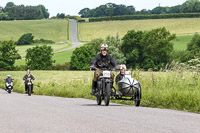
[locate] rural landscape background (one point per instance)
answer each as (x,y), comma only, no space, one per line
(172,85)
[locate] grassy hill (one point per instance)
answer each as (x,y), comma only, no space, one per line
(181,27)
(55,30)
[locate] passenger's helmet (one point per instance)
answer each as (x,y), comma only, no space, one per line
(122,66)
(9,76)
(104,47)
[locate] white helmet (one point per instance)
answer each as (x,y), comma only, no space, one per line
(9,76)
(104,46)
(122,66)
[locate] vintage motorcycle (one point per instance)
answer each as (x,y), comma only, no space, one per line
(29,83)
(126,89)
(9,85)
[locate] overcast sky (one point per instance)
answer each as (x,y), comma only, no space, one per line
(72,7)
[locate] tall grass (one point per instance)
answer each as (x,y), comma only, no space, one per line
(178,90)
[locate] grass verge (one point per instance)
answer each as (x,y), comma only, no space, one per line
(178,90)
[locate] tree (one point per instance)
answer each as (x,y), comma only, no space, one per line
(191,6)
(146,50)
(39,58)
(114,49)
(8,55)
(25,39)
(132,48)
(81,57)
(193,47)
(157,48)
(96,44)
(84,12)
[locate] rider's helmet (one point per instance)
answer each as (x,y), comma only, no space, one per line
(104,47)
(28,71)
(123,66)
(9,76)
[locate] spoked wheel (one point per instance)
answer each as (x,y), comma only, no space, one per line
(107,94)
(138,97)
(99,99)
(29,90)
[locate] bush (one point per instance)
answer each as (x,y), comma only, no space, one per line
(8,55)
(25,39)
(81,57)
(40,58)
(43,41)
(193,47)
(65,66)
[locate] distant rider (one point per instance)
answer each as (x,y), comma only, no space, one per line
(102,61)
(121,74)
(28,75)
(9,80)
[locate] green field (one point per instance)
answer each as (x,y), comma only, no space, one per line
(184,27)
(61,58)
(172,90)
(55,30)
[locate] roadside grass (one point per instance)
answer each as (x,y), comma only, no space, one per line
(178,90)
(55,30)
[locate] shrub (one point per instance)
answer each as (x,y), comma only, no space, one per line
(81,57)
(8,55)
(25,39)
(40,58)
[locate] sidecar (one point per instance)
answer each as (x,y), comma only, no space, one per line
(128,87)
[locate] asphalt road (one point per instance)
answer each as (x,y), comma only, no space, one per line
(74,36)
(20,113)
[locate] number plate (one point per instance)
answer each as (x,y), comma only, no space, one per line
(106,74)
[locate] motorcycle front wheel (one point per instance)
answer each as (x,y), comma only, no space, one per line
(29,90)
(107,94)
(99,99)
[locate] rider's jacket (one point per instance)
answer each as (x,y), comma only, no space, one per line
(28,76)
(103,62)
(9,80)
(119,77)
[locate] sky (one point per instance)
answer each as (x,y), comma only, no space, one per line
(72,7)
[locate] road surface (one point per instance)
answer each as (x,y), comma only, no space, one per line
(20,113)
(74,36)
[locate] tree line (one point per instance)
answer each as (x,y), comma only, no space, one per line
(111,9)
(21,12)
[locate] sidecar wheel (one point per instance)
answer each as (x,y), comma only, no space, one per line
(138,98)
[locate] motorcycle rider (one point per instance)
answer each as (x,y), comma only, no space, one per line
(28,75)
(9,80)
(122,73)
(102,61)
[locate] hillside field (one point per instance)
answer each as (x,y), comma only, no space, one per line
(172,90)
(55,30)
